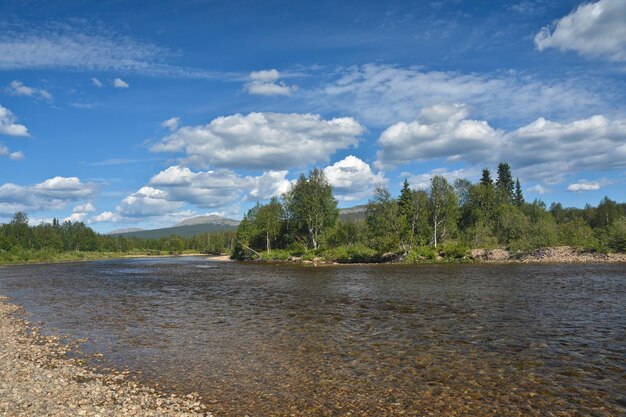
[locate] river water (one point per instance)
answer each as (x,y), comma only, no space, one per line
(280,340)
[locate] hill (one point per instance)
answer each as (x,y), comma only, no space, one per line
(353,214)
(186,228)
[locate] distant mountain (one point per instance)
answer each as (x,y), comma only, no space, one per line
(122,231)
(213,223)
(186,228)
(212,218)
(352,214)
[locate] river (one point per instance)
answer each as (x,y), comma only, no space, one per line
(382,340)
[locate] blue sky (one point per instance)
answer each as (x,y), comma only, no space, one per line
(144,113)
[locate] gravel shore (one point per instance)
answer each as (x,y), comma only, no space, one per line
(38,378)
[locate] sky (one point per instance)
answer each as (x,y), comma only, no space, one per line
(141,114)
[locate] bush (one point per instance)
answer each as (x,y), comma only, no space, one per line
(617,235)
(420,254)
(454,250)
(351,254)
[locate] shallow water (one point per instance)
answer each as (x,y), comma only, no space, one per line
(267,340)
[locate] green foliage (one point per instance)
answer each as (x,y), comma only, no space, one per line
(578,234)
(617,235)
(351,254)
(443,207)
(504,183)
(310,207)
(385,221)
(455,250)
(421,254)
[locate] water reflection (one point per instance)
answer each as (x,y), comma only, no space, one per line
(269,340)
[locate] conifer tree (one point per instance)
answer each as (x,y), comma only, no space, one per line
(486,178)
(504,182)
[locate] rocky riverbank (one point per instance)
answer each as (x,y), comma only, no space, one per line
(38,378)
(559,254)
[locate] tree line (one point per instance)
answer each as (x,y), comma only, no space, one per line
(446,218)
(21,242)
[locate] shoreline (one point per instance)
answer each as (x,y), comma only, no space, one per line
(551,255)
(213,258)
(38,378)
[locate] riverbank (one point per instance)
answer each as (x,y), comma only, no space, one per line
(559,254)
(38,378)
(65,257)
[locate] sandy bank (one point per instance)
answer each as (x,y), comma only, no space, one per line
(38,379)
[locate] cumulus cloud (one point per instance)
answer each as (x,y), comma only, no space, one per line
(593,30)
(382,94)
(171,123)
(119,83)
(266,83)
(270,184)
(8,125)
(542,149)
(80,213)
(207,189)
(422,181)
(106,216)
(352,178)
(52,194)
(272,141)
(17,88)
(442,131)
(14,156)
(146,202)
(96,82)
(584,185)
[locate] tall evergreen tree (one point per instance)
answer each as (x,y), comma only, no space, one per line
(518,199)
(486,178)
(504,182)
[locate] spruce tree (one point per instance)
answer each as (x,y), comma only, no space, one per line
(486,178)
(504,182)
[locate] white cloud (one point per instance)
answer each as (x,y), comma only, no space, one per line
(542,149)
(381,94)
(265,83)
(442,131)
(538,189)
(86,47)
(17,88)
(146,202)
(593,29)
(80,212)
(52,194)
(270,184)
(171,123)
(271,141)
(14,156)
(119,83)
(422,181)
(106,216)
(8,125)
(204,189)
(96,82)
(352,178)
(583,185)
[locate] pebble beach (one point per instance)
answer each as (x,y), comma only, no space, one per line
(39,378)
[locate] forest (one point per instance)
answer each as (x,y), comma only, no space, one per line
(444,221)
